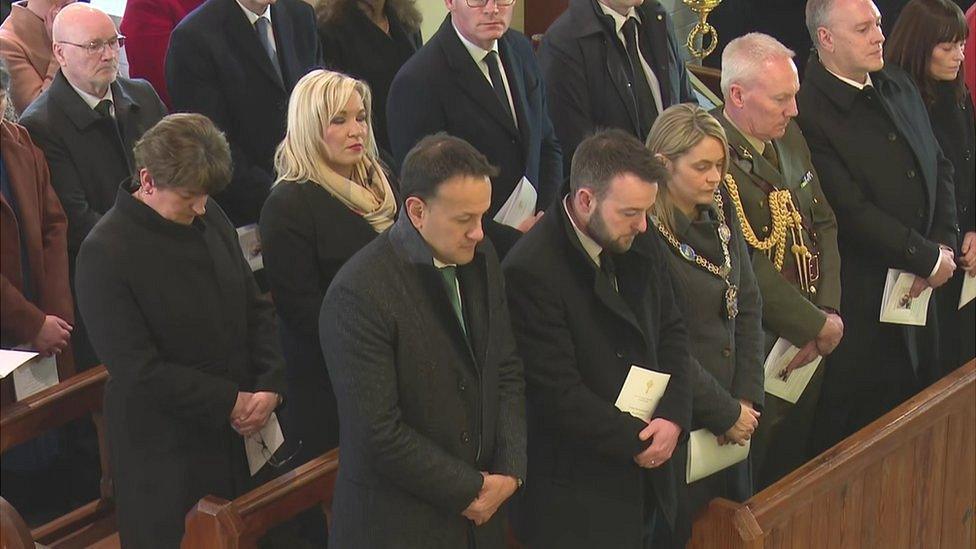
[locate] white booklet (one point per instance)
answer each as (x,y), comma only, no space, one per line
(32,373)
(250,241)
(519,206)
(263,444)
(706,457)
(897,305)
(642,391)
(790,389)
(968,290)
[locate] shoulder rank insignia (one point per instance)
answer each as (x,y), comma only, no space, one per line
(807,178)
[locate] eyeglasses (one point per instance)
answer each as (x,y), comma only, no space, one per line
(272,460)
(483,3)
(96,47)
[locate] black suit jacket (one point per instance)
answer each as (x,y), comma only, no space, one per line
(579,338)
(442,89)
(584,66)
(216,66)
(86,157)
(421,412)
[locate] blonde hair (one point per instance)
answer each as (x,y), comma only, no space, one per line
(676,131)
(316,99)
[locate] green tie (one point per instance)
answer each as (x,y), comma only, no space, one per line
(450,282)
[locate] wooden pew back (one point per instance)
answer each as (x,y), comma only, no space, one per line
(216,523)
(73,398)
(906,480)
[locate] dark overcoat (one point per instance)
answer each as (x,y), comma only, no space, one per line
(421,412)
(585,68)
(442,89)
(891,189)
(216,66)
(579,338)
(176,317)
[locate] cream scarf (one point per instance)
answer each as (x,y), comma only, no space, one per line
(374,201)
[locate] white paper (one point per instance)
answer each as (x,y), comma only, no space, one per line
(519,206)
(250,241)
(642,391)
(36,375)
(968,290)
(779,357)
(10,359)
(706,457)
(257,453)
(896,305)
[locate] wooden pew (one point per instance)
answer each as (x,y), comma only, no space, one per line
(216,523)
(906,480)
(74,398)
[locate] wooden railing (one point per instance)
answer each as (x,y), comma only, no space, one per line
(74,398)
(906,480)
(216,523)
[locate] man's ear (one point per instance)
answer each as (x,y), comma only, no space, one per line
(415,208)
(825,38)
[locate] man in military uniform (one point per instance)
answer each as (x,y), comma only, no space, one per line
(791,229)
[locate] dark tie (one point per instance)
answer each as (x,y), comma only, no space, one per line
(263,28)
(608,268)
(770,154)
(449,274)
(646,110)
(104,110)
(497,83)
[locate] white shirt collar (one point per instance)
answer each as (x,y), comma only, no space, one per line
(858,85)
(251,17)
(440,264)
(590,246)
(619,20)
(477,52)
(91,100)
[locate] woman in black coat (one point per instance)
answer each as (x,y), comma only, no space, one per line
(369,40)
(719,297)
(332,197)
(928,42)
(176,317)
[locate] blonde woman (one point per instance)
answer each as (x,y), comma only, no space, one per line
(332,197)
(717,290)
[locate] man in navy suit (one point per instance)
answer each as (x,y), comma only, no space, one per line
(236,61)
(478,80)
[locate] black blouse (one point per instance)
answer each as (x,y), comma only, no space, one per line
(353,44)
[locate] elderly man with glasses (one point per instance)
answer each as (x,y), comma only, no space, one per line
(479,80)
(86,123)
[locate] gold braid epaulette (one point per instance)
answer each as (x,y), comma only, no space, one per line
(785,218)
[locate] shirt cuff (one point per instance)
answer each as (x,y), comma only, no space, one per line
(938,262)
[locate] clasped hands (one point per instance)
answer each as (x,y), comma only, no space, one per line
(743,428)
(944,271)
(826,341)
(251,411)
(663,435)
(494,491)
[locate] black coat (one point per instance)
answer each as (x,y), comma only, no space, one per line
(421,413)
(307,235)
(583,63)
(87,160)
(441,89)
(579,338)
(216,66)
(953,124)
(353,44)
(891,189)
(176,317)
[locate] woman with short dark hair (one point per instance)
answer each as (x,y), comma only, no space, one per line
(928,41)
(176,317)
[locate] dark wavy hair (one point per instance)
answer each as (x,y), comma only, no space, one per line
(921,25)
(328,12)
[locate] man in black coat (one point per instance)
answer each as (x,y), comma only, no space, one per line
(86,123)
(237,63)
(590,72)
(479,81)
(418,343)
(891,188)
(590,296)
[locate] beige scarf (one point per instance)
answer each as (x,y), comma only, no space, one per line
(374,201)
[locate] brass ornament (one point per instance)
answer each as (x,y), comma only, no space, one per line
(702,29)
